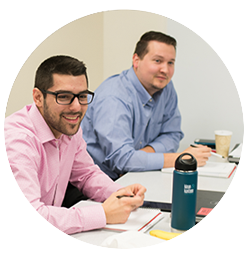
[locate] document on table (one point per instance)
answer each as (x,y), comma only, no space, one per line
(212,169)
(140,219)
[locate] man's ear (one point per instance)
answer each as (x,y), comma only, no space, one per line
(38,97)
(135,60)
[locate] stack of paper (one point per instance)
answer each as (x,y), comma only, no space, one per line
(140,219)
(212,169)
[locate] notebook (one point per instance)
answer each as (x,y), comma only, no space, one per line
(212,169)
(205,202)
(140,219)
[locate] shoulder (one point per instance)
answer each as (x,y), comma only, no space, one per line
(169,87)
(169,91)
(19,122)
(117,86)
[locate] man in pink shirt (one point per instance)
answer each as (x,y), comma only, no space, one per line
(46,151)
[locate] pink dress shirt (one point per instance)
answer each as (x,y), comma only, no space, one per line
(43,165)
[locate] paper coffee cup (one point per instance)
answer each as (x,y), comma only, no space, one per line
(222,142)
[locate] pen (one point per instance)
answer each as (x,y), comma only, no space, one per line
(122,196)
(213,153)
(217,155)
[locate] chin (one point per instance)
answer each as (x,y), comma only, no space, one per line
(72,131)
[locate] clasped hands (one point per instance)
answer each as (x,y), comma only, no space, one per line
(117,210)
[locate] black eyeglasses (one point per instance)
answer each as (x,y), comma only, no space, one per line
(66,98)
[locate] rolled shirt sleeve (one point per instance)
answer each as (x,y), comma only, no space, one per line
(43,165)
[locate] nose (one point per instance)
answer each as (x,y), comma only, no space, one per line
(164,68)
(75,105)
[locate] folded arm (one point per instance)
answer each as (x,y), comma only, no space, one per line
(115,129)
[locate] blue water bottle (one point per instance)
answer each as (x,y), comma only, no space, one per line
(184,193)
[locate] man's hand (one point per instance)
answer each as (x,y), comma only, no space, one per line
(118,210)
(200,152)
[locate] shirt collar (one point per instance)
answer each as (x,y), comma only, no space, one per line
(142,92)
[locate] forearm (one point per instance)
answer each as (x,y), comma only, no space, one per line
(74,220)
(144,161)
(169,158)
(98,187)
(166,143)
(148,149)
(89,179)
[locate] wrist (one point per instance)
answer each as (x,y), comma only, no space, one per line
(169,159)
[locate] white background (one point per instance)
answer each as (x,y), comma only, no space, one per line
(225,27)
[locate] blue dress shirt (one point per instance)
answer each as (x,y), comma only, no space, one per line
(123,118)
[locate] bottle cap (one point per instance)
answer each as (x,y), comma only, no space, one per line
(187,164)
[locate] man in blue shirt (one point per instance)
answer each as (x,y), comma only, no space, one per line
(134,123)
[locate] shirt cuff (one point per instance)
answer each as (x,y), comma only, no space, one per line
(158,147)
(93,217)
(155,161)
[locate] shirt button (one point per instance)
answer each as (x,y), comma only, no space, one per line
(57,145)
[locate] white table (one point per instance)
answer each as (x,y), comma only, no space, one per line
(159,184)
(159,188)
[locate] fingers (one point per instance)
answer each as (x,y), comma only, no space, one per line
(140,190)
(201,153)
(202,148)
(137,191)
(132,202)
(117,210)
(134,189)
(118,206)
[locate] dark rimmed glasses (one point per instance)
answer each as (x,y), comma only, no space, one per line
(66,98)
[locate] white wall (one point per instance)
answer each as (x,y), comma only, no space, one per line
(122,30)
(208,98)
(82,38)
(105,41)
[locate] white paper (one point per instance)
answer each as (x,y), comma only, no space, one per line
(214,169)
(131,239)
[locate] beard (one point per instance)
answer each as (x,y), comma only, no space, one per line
(57,123)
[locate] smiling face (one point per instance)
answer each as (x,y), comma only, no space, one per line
(62,119)
(156,68)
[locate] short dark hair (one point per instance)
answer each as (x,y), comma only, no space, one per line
(141,48)
(64,65)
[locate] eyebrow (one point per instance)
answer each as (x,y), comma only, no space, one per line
(159,56)
(67,91)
